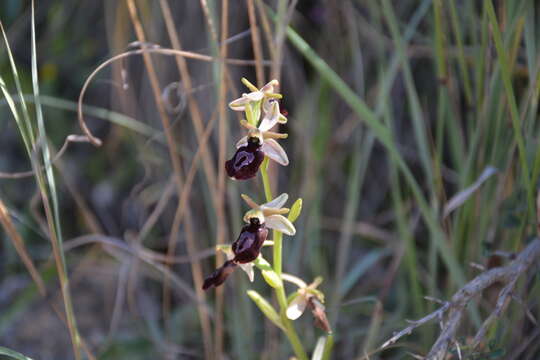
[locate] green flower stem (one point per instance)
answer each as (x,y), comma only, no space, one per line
(278,247)
(266,180)
(290,332)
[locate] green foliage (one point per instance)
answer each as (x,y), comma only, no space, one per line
(395,111)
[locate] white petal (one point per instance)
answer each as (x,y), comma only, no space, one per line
(269,88)
(267,104)
(277,203)
(270,118)
(248,269)
(242,142)
(280,223)
(239,104)
(275,152)
(254,96)
(297,307)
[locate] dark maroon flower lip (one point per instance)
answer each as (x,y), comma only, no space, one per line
(246,248)
(219,275)
(246,161)
(250,241)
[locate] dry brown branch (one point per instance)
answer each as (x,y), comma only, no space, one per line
(452,312)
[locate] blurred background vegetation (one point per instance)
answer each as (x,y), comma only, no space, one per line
(395,108)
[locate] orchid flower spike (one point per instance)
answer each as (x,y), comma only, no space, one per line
(309,297)
(258,143)
(255,96)
(270,214)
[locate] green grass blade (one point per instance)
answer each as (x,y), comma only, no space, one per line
(461,52)
(13,354)
(382,133)
(510,96)
(412,95)
(50,184)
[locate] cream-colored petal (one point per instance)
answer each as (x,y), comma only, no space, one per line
(297,307)
(248,269)
(239,104)
(254,96)
(269,88)
(275,152)
(267,104)
(277,203)
(280,223)
(270,118)
(242,142)
(251,203)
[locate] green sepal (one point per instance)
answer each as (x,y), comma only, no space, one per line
(296,209)
(269,275)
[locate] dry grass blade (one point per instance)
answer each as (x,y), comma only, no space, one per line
(18,243)
(222,143)
(256,41)
(462,196)
(196,269)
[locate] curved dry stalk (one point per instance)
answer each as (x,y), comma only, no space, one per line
(69,139)
(455,309)
(155,50)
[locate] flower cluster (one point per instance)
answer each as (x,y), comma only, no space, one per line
(259,143)
(247,247)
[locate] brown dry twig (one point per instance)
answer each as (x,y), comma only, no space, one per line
(452,312)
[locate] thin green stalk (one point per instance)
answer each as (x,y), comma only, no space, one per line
(265,180)
(290,332)
(278,250)
(461,52)
(514,114)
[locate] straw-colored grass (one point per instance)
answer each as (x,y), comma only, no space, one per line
(413,142)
